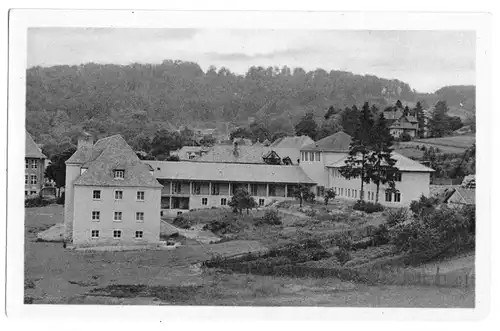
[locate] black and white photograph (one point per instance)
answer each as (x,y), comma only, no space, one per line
(252,165)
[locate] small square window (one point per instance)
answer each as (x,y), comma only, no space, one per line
(223,202)
(139,216)
(118,216)
(119,174)
(117,234)
(118,195)
(398,177)
(96,195)
(204,201)
(261,202)
(140,195)
(96,215)
(95,234)
(139,234)
(33,180)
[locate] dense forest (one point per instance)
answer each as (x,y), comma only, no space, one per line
(140,99)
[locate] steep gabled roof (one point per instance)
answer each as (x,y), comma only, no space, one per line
(402,163)
(292,142)
(243,154)
(109,154)
(32,150)
(229,172)
(463,196)
(402,124)
(338,142)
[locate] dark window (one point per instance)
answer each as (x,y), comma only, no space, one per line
(117,233)
(204,201)
(140,195)
(95,234)
(96,194)
(261,202)
(118,195)
(96,215)
(223,202)
(138,234)
(215,189)
(397,197)
(388,196)
(119,174)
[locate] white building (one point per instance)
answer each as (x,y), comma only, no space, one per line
(321,162)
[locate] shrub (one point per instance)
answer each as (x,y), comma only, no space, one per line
(223,226)
(36,201)
(182,222)
(397,216)
(367,207)
(310,212)
(405,137)
(329,195)
(310,197)
(343,255)
(270,217)
(469,213)
(381,235)
(344,241)
(423,206)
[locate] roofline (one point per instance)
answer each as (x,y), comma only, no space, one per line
(121,186)
(400,170)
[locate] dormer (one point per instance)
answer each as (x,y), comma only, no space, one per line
(119,173)
(82,170)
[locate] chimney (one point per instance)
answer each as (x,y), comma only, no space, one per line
(85,140)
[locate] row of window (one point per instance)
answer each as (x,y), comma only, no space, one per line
(117,234)
(33,179)
(96,195)
(223,202)
(352,193)
(310,156)
(32,163)
(30,193)
(336,174)
(118,216)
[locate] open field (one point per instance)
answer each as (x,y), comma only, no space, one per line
(454,144)
(57,275)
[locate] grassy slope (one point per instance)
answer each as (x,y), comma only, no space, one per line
(56,275)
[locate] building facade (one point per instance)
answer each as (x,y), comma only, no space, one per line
(111,197)
(197,185)
(34,168)
(322,160)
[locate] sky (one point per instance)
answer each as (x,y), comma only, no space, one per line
(427,60)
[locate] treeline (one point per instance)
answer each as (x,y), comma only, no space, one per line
(143,98)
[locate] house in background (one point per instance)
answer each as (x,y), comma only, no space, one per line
(290,146)
(34,167)
(196,185)
(321,162)
(404,125)
(111,197)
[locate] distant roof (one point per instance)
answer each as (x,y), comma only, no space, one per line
(402,163)
(338,142)
(226,153)
(393,115)
(109,154)
(465,196)
(292,142)
(32,149)
(229,172)
(402,124)
(411,119)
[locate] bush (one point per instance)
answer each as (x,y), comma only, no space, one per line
(381,235)
(182,222)
(423,206)
(270,217)
(367,207)
(405,137)
(310,212)
(469,213)
(343,255)
(397,216)
(310,197)
(223,226)
(36,201)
